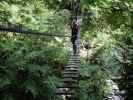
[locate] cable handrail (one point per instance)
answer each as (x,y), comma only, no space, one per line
(19,29)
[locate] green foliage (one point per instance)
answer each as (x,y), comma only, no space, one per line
(125,44)
(30,67)
(92,85)
(33,15)
(29,71)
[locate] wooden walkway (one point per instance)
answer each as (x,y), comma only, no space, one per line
(69,80)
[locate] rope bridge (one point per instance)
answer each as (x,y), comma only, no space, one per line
(70,75)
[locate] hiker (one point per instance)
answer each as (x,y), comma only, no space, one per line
(75,30)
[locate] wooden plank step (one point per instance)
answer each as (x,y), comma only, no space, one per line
(70,76)
(73,60)
(69,80)
(67,72)
(67,86)
(71,98)
(72,70)
(73,77)
(74,55)
(76,64)
(73,63)
(64,92)
(72,66)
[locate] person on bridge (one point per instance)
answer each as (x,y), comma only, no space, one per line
(74,36)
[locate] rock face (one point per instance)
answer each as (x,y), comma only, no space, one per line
(114,93)
(118,98)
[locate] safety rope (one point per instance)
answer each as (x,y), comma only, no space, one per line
(20,29)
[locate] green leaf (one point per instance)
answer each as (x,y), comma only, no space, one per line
(31,87)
